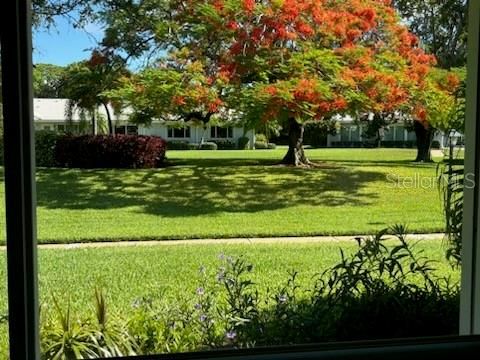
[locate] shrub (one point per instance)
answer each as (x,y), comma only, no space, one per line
(261,138)
(193,146)
(100,151)
(261,145)
(208,146)
(225,144)
(436,144)
(243,143)
(45,143)
(177,145)
(271,146)
(386,289)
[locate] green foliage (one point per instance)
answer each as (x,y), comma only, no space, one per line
(271,146)
(441,25)
(451,179)
(87,84)
(178,145)
(48,81)
(316,133)
(385,288)
(436,144)
(244,143)
(261,145)
(208,146)
(261,138)
(45,142)
(225,144)
(70,339)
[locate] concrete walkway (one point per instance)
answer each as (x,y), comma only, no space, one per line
(252,241)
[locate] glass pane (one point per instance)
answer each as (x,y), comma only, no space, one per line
(132,130)
(120,130)
(221,132)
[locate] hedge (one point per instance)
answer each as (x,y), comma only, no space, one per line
(208,146)
(100,151)
(177,145)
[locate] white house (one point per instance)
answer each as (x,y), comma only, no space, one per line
(352,133)
(50,114)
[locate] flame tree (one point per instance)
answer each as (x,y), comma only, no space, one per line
(284,61)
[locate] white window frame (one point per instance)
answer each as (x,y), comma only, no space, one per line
(215,128)
(185,130)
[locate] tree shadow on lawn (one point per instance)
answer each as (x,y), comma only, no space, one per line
(198,189)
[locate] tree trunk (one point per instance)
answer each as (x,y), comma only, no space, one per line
(109,119)
(296,154)
(94,124)
(424,142)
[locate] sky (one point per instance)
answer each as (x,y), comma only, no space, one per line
(63,44)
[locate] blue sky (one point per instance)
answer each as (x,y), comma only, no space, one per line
(63,44)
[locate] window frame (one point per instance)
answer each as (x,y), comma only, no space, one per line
(186,132)
(214,131)
(20,204)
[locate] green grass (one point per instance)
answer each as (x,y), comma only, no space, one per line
(169,271)
(216,194)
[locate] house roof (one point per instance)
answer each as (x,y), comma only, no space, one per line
(54,110)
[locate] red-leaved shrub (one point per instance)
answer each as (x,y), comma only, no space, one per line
(101,151)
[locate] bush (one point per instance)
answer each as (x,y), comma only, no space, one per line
(261,138)
(261,145)
(119,151)
(271,146)
(193,146)
(208,146)
(45,143)
(436,144)
(386,289)
(243,143)
(225,144)
(177,145)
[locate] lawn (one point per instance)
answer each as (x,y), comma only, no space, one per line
(128,273)
(218,194)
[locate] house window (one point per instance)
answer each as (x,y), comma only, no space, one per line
(120,130)
(61,128)
(221,132)
(179,133)
(132,130)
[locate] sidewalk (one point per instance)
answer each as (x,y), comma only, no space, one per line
(253,241)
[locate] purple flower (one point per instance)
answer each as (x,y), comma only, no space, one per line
(200,291)
(231,335)
(203,318)
(198,306)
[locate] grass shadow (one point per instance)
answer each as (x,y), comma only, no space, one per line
(197,187)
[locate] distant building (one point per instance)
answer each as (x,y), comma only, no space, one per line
(351,133)
(50,114)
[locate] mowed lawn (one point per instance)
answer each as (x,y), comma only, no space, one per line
(167,272)
(217,194)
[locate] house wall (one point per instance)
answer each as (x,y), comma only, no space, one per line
(196,133)
(354,134)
